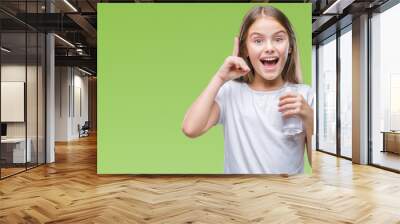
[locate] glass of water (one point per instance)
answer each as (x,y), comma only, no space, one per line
(292,125)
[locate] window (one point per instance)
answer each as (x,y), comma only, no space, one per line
(327,95)
(346,92)
(385,89)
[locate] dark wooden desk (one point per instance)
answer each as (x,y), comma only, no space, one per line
(391,141)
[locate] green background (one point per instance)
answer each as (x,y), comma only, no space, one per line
(153,62)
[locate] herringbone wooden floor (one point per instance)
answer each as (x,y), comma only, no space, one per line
(69,191)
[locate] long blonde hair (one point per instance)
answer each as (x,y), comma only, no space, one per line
(291,71)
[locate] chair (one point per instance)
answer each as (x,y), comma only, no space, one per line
(84,130)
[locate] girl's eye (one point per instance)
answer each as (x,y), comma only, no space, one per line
(279,39)
(258,41)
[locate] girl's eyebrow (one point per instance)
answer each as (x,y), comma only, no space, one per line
(260,34)
(280,32)
(256,34)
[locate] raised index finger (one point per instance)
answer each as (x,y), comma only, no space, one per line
(235,47)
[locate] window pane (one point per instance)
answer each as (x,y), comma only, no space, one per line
(385,89)
(31,100)
(327,96)
(41,97)
(346,94)
(14,150)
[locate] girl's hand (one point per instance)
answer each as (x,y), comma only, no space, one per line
(234,66)
(293,103)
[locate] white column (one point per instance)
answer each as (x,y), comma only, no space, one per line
(50,92)
(50,100)
(360,90)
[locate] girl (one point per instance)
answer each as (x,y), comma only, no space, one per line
(247,97)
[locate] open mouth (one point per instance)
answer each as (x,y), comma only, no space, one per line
(269,61)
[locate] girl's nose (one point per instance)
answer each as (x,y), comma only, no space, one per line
(269,48)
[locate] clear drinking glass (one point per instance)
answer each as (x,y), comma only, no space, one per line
(292,125)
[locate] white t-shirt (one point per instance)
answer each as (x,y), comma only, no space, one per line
(253,138)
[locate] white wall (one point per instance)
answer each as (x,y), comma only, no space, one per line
(70,83)
(13,72)
(81,84)
(62,80)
